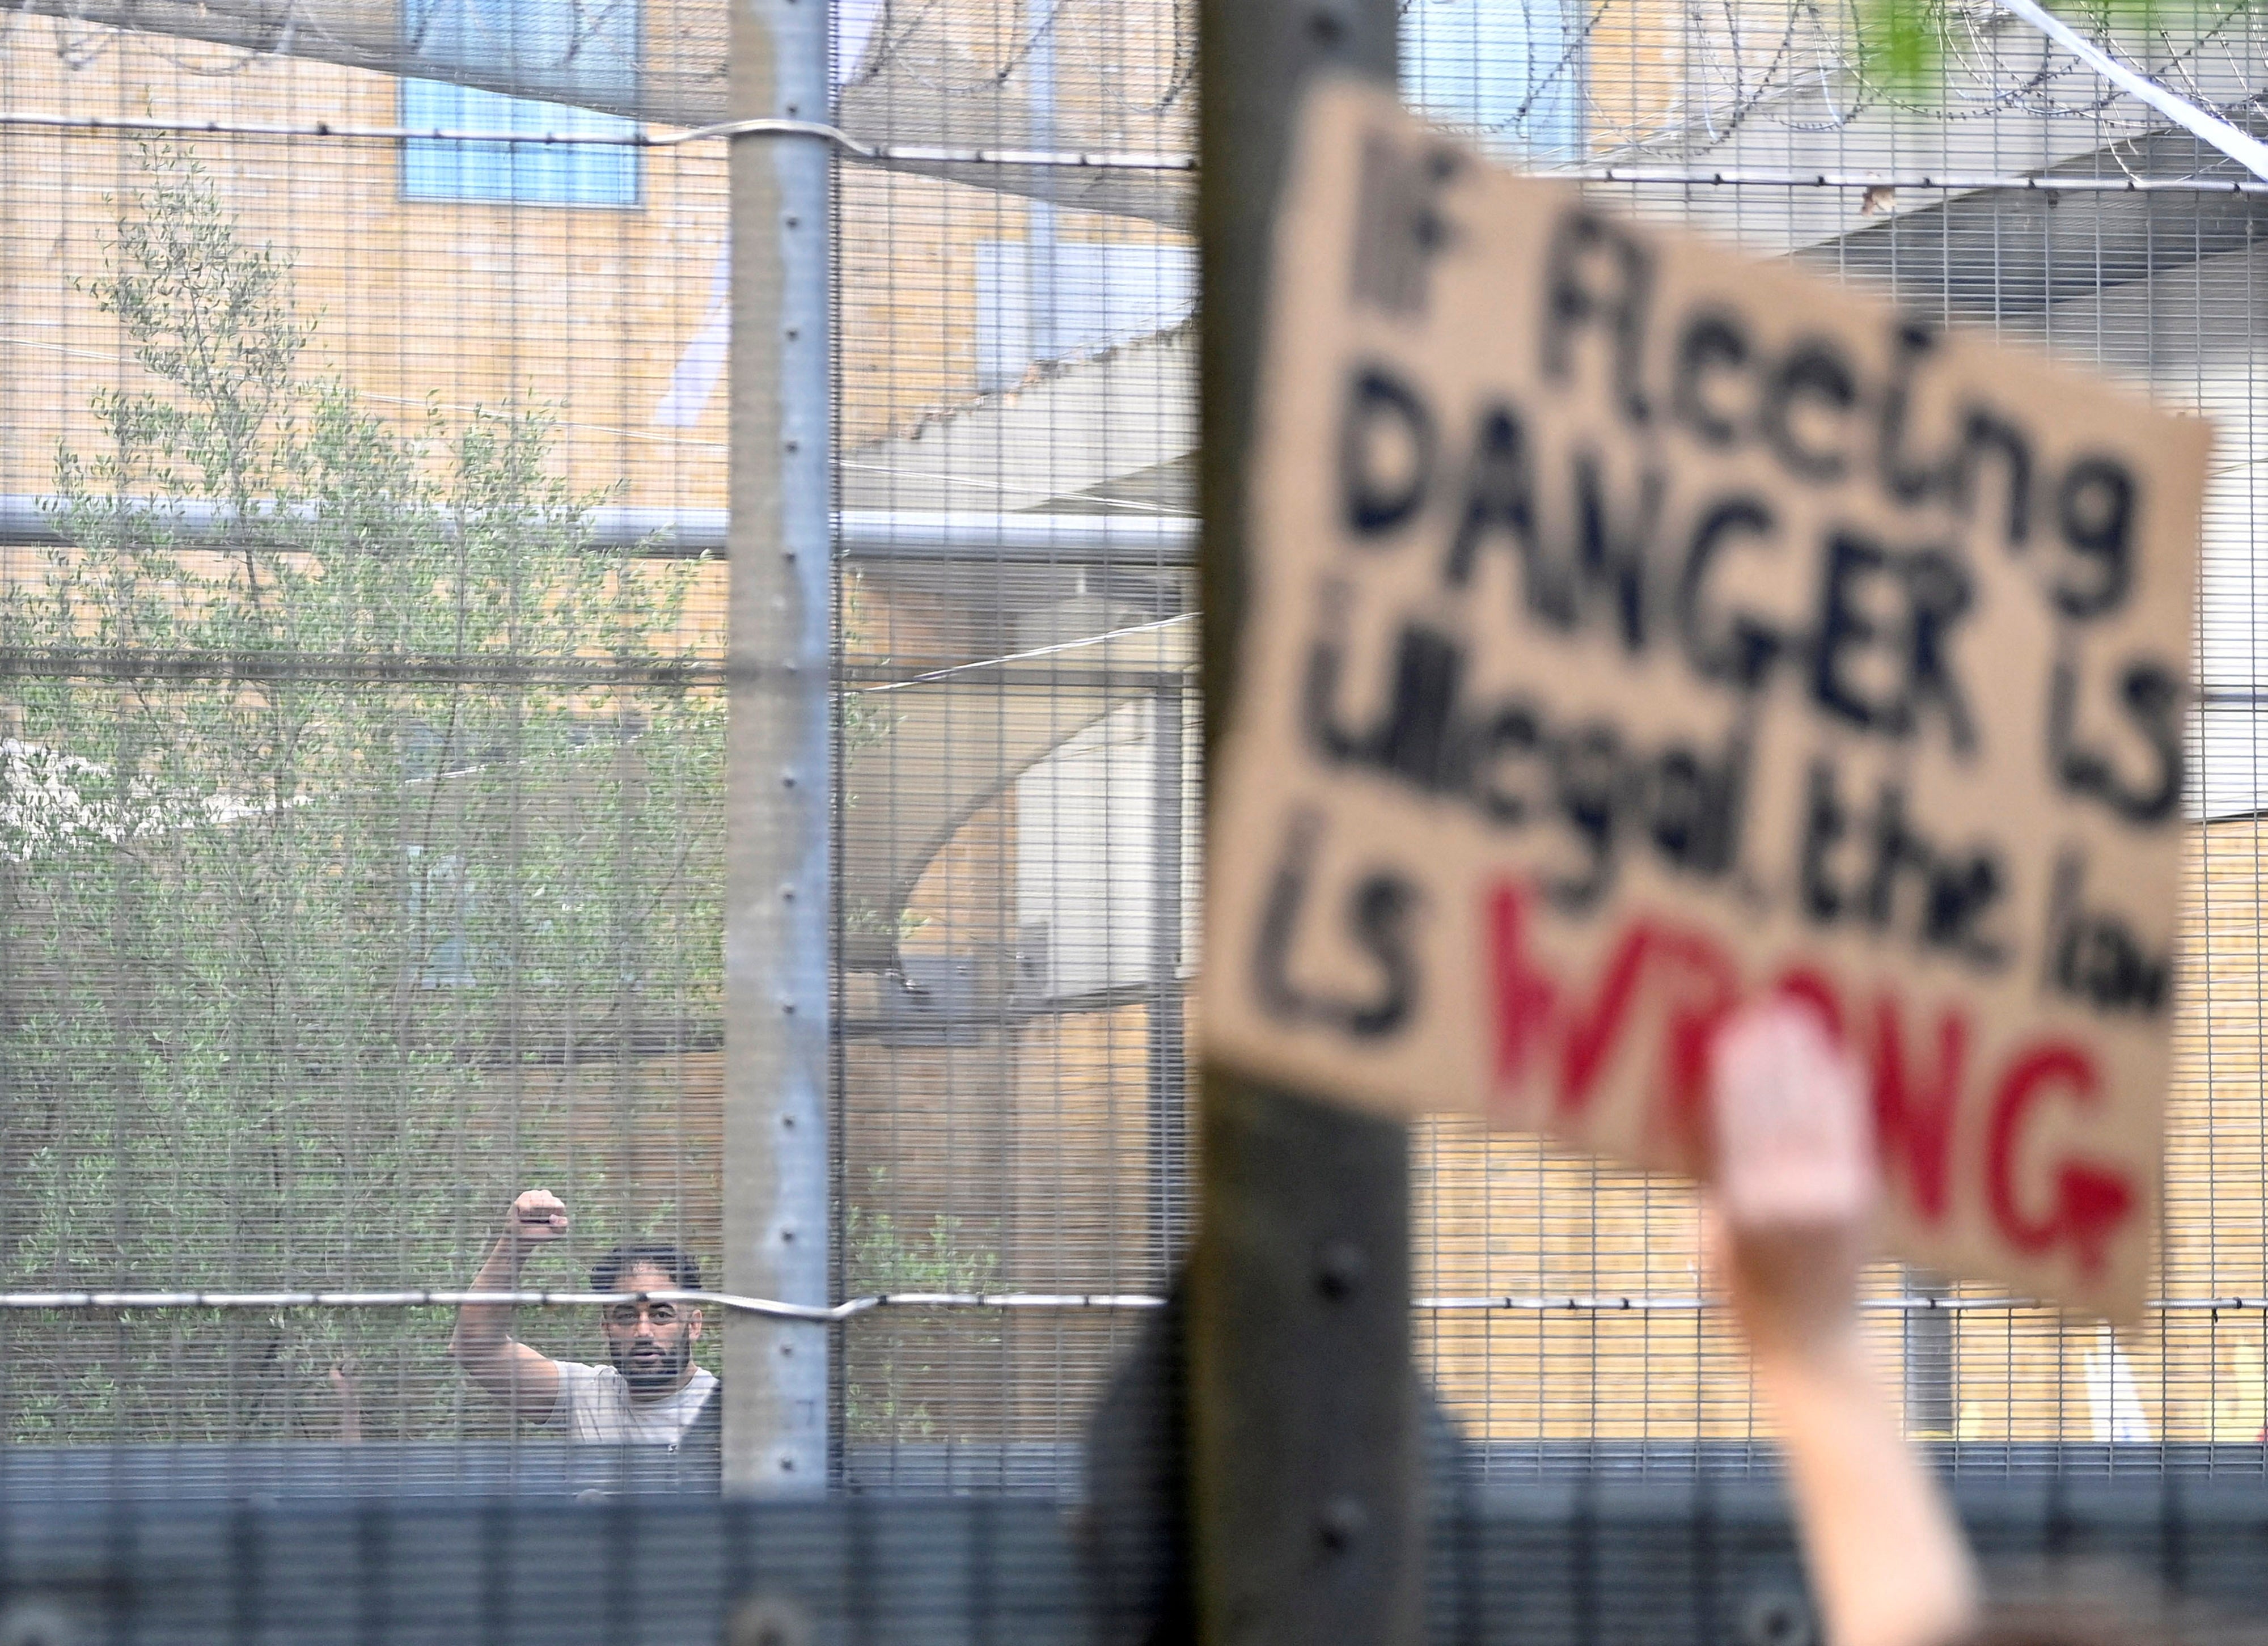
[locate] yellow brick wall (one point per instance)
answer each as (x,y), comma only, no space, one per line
(585,310)
(464,303)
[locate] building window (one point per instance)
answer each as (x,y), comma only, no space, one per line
(569,49)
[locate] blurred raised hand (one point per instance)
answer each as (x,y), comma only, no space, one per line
(1790,1216)
(1796,1178)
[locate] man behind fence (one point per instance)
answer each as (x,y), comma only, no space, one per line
(652,1393)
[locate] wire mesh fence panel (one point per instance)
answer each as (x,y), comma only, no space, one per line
(359,820)
(1019,862)
(2022,194)
(362,691)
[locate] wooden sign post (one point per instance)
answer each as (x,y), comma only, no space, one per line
(1633,627)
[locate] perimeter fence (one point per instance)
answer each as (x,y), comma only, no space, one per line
(363,737)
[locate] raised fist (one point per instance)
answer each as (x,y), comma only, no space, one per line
(537,1216)
(1796,1180)
(1795,1146)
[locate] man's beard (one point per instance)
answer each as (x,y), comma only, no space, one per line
(653,1373)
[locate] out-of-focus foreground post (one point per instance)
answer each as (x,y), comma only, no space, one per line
(1306,1461)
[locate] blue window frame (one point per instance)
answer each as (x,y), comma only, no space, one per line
(568,47)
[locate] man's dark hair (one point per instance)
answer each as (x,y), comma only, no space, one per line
(683,1267)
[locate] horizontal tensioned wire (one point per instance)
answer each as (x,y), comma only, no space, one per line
(1002,672)
(371,668)
(504,669)
(144,1302)
(914,154)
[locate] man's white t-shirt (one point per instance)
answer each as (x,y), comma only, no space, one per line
(594,1404)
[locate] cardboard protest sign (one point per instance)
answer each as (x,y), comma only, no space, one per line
(1633,627)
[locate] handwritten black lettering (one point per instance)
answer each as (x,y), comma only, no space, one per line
(1517,769)
(1955,889)
(1582,240)
(2094,515)
(1933,593)
(1740,649)
(1713,345)
(1380,911)
(2092,954)
(1399,227)
(1326,661)
(1385,427)
(1381,905)
(1912,345)
(1588,765)
(1825,823)
(1500,746)
(1939,595)
(1612,554)
(1987,434)
(1412,735)
(1694,802)
(1816,374)
(2151,695)
(1907,885)
(1414,739)
(1846,630)
(1499,499)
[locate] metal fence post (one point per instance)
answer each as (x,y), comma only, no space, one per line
(1304,1428)
(1933,1392)
(1169,1040)
(779,779)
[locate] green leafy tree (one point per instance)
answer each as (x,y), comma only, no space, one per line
(1905,47)
(894,1369)
(349,794)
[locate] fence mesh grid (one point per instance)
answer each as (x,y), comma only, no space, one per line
(361,631)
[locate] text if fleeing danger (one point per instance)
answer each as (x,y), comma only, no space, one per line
(1632,628)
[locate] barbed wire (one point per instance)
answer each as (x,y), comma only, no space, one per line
(1723,66)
